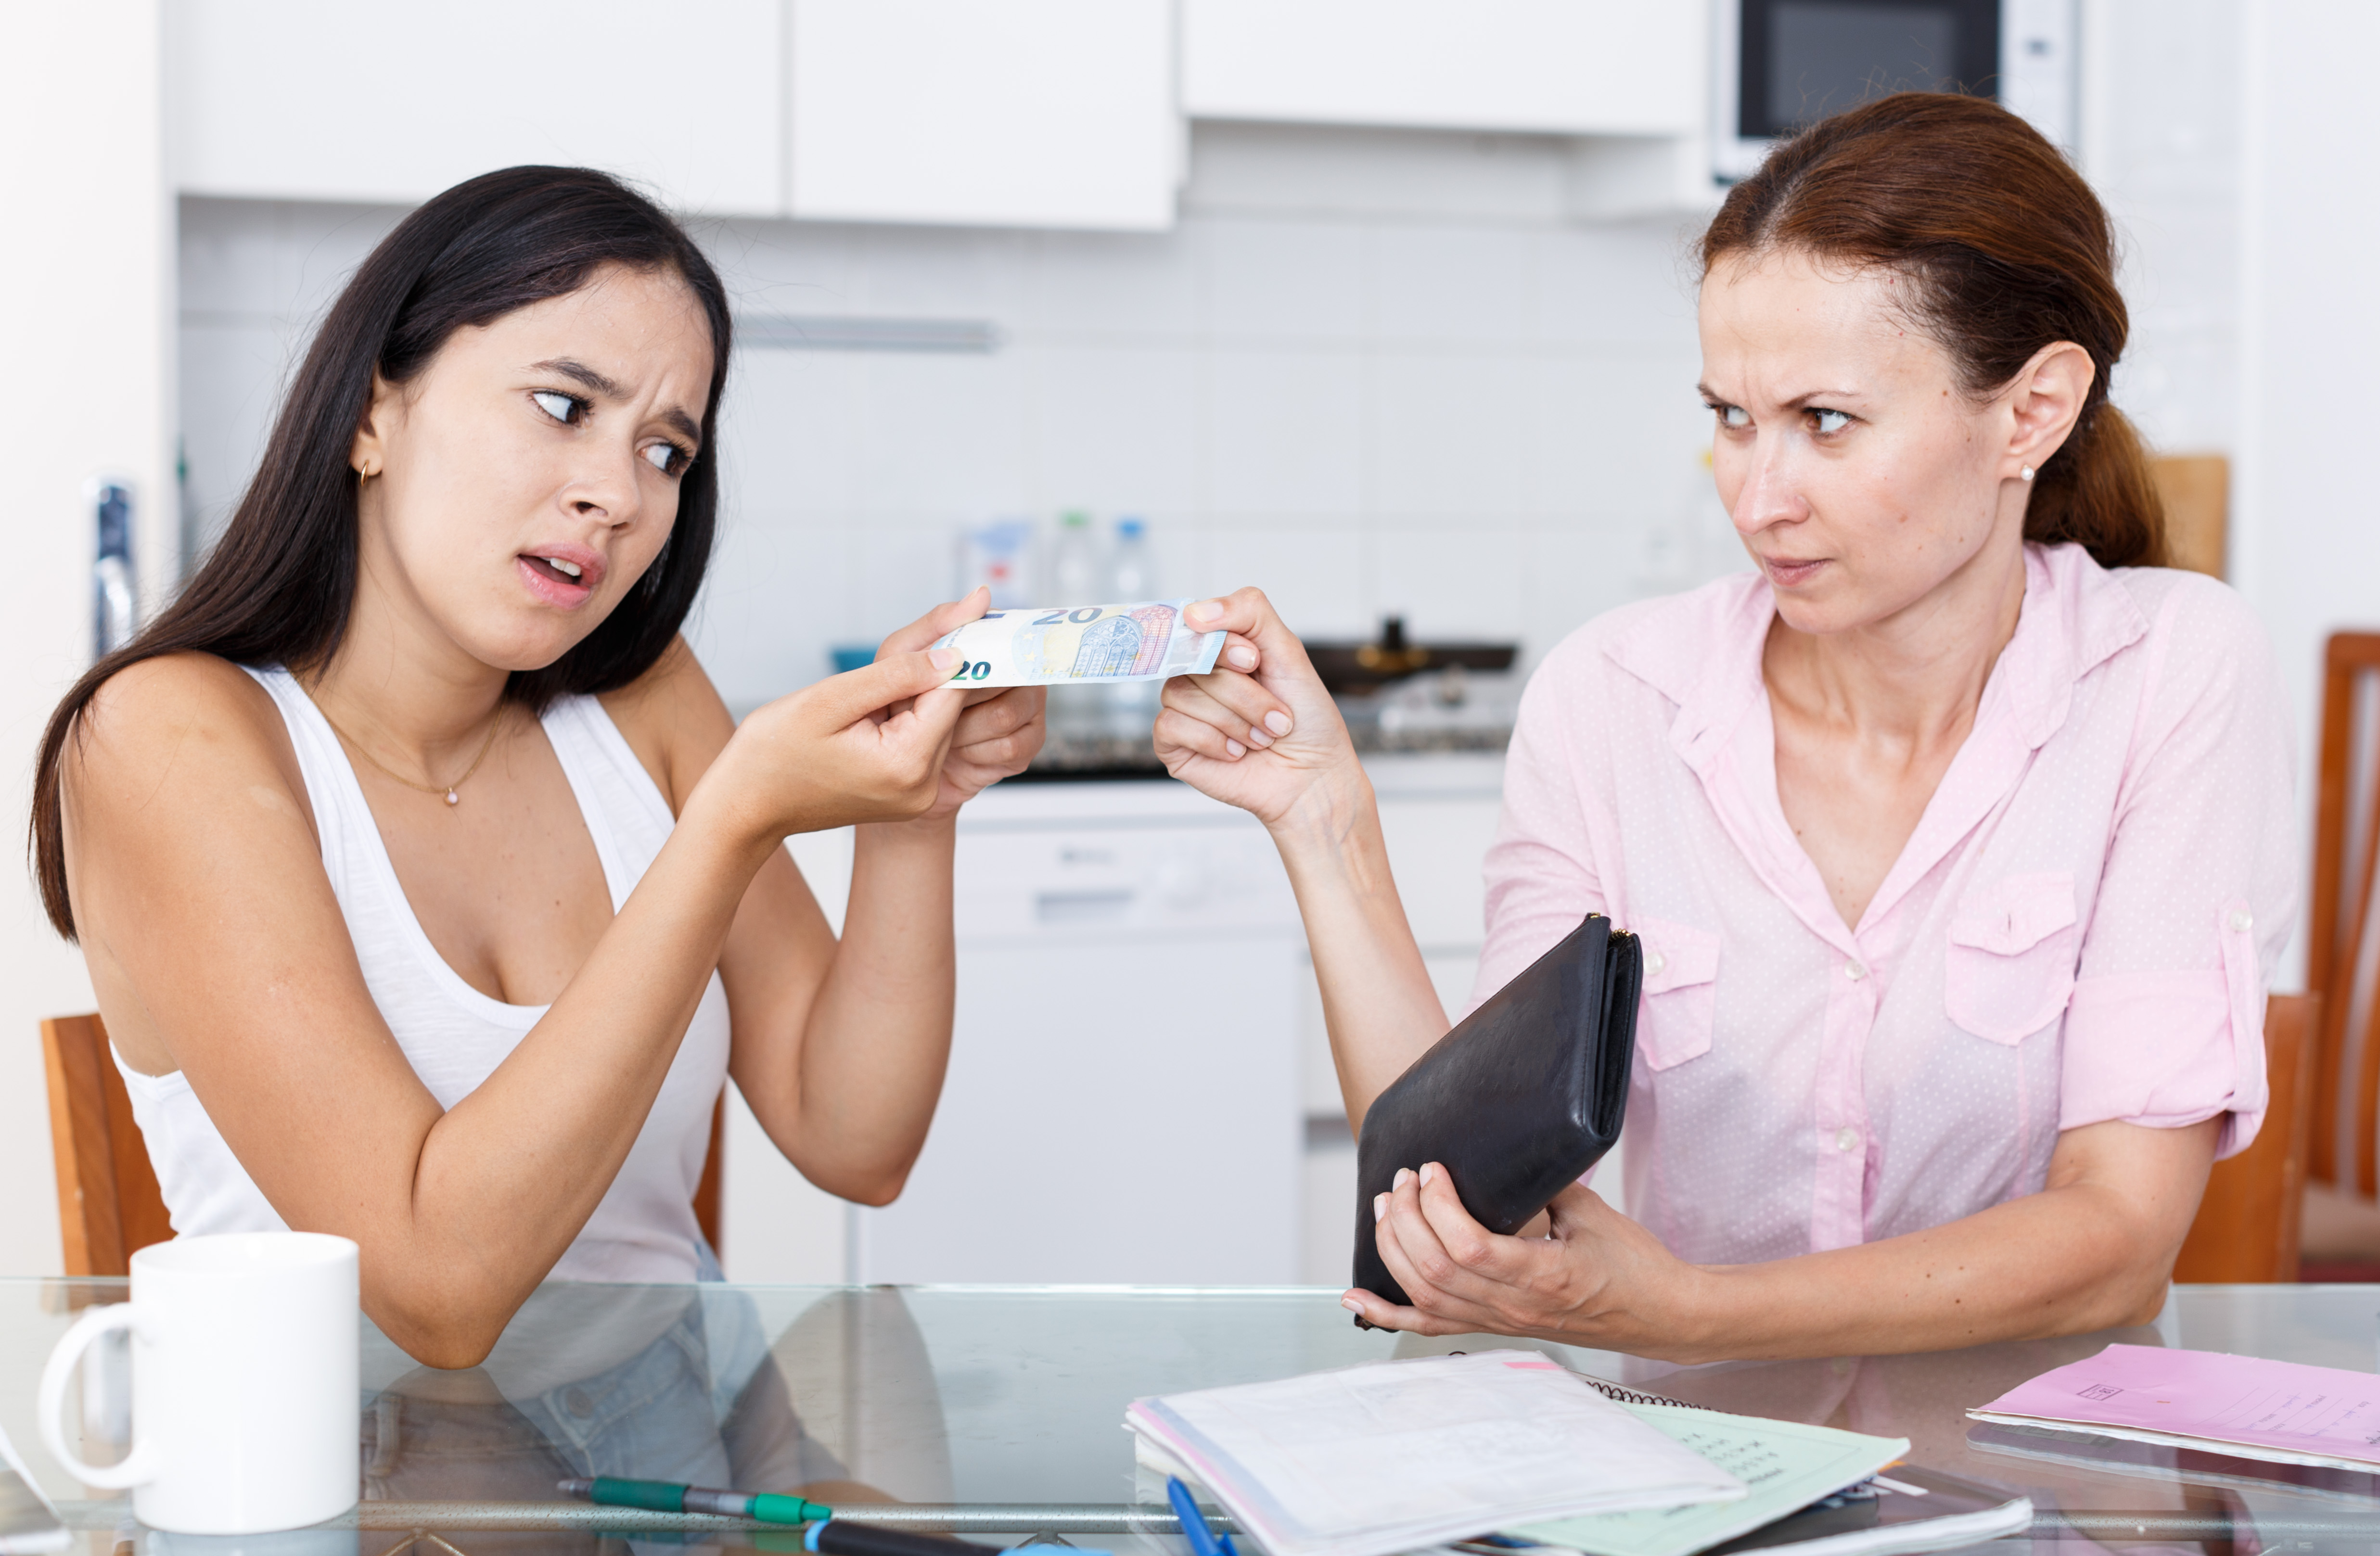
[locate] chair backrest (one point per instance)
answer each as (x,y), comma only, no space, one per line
(2197,492)
(108,1202)
(2247,1225)
(2340,954)
(109,1205)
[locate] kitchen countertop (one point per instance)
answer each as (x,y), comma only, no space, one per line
(1452,712)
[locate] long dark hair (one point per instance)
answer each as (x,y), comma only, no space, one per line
(278,587)
(2009,251)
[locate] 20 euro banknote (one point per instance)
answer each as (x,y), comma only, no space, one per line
(1049,646)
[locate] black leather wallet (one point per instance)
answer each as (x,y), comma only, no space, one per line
(1525,1094)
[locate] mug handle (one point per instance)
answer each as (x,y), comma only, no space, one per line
(140,1466)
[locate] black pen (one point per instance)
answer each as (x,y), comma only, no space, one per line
(841,1537)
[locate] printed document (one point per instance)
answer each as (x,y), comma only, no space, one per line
(1391,1456)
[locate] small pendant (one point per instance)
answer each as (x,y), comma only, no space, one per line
(451,800)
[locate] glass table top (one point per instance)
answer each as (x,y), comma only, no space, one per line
(998,1411)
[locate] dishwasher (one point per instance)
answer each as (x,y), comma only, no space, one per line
(1123,1101)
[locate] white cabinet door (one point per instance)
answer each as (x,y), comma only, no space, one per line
(1551,67)
(1123,1111)
(1437,848)
(298,99)
(1019,113)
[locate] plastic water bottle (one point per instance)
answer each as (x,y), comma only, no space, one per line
(1131,578)
(1131,705)
(1074,563)
(1075,579)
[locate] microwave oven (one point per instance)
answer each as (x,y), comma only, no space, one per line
(1783,62)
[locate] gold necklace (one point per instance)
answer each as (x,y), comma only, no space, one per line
(448,789)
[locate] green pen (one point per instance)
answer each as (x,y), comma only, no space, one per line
(660,1496)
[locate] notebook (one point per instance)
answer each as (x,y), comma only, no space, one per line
(2247,1407)
(1394,1455)
(1909,1508)
(1785,1465)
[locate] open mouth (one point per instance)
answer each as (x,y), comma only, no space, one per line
(566,581)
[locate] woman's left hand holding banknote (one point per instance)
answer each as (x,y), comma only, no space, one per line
(1261,730)
(1001,727)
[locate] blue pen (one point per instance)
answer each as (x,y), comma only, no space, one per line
(1204,1541)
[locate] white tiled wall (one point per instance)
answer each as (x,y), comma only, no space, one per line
(1371,371)
(1483,420)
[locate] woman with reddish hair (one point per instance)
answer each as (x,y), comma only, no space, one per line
(1957,833)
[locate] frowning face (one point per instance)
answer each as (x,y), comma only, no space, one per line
(1860,475)
(526,479)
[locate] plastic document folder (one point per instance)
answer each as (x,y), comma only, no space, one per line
(1391,1456)
(2076,1448)
(1784,1465)
(2284,1412)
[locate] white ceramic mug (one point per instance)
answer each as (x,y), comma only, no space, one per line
(244,1399)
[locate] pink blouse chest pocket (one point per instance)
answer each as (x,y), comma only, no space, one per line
(1673,1023)
(2014,946)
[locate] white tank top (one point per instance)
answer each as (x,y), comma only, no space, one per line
(454,1036)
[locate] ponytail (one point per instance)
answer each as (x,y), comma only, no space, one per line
(2097,492)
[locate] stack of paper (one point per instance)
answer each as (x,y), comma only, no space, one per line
(2284,1412)
(1389,1456)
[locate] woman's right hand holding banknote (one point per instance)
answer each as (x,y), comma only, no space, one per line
(1262,734)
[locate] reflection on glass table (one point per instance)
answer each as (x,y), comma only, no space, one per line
(998,1411)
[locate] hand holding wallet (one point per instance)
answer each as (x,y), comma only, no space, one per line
(1521,1098)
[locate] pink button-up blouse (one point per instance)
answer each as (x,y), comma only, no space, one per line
(2082,928)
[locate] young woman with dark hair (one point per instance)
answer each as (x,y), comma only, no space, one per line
(1959,833)
(429,893)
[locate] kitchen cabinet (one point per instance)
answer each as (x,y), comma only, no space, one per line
(294,100)
(1602,67)
(1029,113)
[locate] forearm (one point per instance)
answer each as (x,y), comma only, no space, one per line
(504,1180)
(877,1037)
(2064,1261)
(1378,1002)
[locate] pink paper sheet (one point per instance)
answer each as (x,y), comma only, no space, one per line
(2322,1412)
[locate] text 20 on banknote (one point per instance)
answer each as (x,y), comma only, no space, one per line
(1042,645)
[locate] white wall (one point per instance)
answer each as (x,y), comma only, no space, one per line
(87,339)
(2306,541)
(2162,135)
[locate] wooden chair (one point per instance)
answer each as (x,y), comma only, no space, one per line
(2339,917)
(109,1205)
(2197,492)
(2342,1217)
(2247,1228)
(108,1202)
